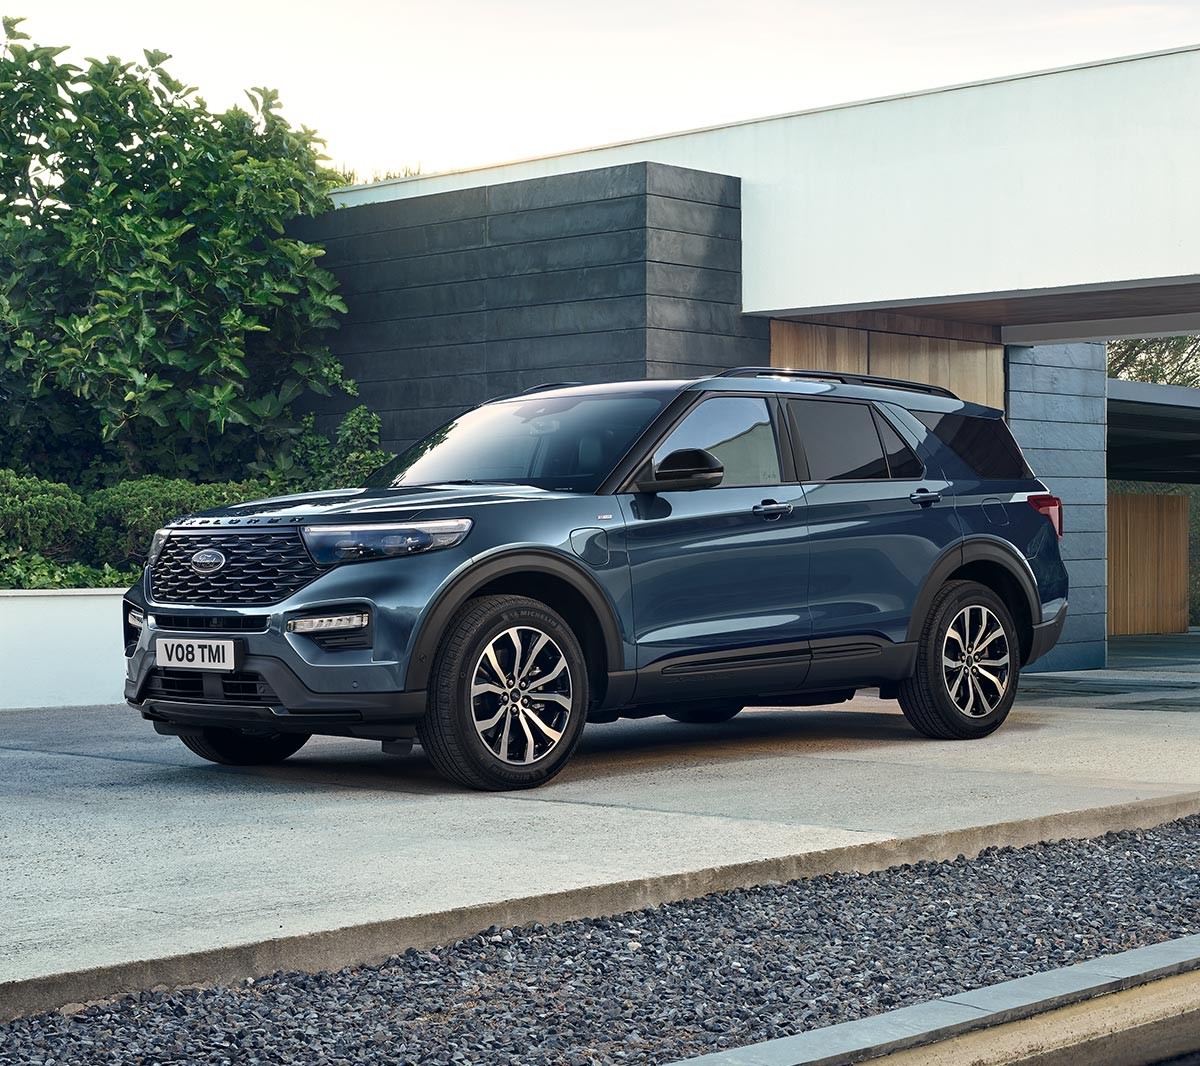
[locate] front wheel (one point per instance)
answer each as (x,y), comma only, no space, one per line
(968,661)
(508,695)
(231,747)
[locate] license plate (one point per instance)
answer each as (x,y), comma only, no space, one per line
(189,654)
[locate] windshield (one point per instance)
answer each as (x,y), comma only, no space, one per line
(568,443)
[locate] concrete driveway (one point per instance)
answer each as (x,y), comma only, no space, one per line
(118,846)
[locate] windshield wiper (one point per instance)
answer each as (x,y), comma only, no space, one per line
(474,481)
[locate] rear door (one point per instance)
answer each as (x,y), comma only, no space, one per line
(877,522)
(719,574)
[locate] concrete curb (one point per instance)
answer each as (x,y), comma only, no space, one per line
(994,1005)
(373,942)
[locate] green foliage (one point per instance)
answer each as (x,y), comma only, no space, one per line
(29,570)
(52,536)
(314,462)
(154,313)
(127,514)
(1159,360)
(34,512)
(350,176)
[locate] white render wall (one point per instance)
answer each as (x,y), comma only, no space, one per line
(1076,178)
(61,648)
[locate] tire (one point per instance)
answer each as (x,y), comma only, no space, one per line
(484,728)
(705,713)
(953,702)
(231,747)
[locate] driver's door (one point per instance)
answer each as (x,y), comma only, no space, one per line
(720,575)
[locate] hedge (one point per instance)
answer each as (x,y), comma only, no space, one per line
(54,537)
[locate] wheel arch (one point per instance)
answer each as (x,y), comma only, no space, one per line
(995,564)
(541,575)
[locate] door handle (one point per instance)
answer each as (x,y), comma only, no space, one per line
(925,497)
(772,511)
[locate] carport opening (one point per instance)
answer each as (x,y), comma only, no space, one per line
(1153,522)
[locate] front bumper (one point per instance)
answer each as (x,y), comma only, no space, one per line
(1046,635)
(284,682)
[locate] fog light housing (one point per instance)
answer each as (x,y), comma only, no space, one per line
(330,623)
(135,618)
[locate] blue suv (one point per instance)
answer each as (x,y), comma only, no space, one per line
(584,553)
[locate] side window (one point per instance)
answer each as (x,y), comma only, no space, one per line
(839,439)
(986,445)
(738,431)
(901,459)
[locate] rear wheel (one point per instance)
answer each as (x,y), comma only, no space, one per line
(968,662)
(705,713)
(508,695)
(231,747)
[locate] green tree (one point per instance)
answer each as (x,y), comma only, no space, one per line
(155,314)
(1160,360)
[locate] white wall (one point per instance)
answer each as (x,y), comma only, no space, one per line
(61,648)
(1082,177)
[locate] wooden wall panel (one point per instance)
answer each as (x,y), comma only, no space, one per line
(1147,563)
(890,322)
(970,369)
(810,347)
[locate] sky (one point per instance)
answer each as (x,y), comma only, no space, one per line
(445,84)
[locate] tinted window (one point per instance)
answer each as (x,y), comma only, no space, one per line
(839,440)
(901,459)
(738,431)
(553,442)
(985,444)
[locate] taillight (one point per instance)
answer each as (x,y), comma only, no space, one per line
(1052,508)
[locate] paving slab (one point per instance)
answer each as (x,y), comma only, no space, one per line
(119,847)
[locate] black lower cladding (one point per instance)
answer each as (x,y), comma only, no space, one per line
(266,691)
(1045,636)
(204,686)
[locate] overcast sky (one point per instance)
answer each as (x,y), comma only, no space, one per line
(444,84)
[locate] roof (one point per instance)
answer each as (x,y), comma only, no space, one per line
(767,379)
(417,179)
(1153,432)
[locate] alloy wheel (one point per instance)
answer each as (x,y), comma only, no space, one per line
(975,661)
(521,695)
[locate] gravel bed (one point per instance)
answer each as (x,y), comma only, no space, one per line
(677,980)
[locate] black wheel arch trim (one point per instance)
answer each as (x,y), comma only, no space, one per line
(980,548)
(475,577)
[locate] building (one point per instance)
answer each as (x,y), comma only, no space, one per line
(987,237)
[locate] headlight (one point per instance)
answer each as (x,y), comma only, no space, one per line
(350,544)
(157,543)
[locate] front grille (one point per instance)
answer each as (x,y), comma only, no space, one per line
(199,686)
(242,623)
(261,567)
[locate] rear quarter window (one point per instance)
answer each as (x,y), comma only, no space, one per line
(986,445)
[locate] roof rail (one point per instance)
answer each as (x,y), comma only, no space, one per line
(834,375)
(547,385)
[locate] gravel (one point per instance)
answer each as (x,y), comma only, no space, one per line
(672,981)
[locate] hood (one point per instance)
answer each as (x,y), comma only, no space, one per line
(374,505)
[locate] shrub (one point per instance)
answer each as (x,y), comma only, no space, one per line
(315,462)
(30,570)
(126,515)
(156,312)
(47,514)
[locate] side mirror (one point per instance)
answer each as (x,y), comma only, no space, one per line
(684,470)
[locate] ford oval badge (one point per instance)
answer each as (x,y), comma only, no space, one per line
(208,561)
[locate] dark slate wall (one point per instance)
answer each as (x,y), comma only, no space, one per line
(1057,408)
(624,272)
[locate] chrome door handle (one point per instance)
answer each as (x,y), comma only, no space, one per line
(925,497)
(771,510)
